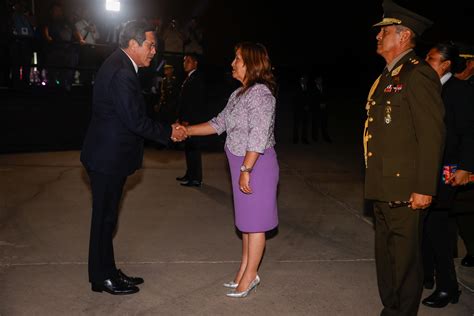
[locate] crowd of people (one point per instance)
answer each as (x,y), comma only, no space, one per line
(68,45)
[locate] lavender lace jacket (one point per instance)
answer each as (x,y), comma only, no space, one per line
(249,121)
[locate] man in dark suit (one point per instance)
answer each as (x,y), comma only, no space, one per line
(463,204)
(113,148)
(320,110)
(403,142)
(439,234)
(191,110)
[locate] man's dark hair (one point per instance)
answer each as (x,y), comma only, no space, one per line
(194,56)
(134,30)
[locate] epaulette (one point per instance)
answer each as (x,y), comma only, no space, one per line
(414,61)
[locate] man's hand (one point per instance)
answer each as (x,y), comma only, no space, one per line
(460,177)
(178,132)
(420,201)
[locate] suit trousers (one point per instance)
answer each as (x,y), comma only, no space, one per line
(106,196)
(192,151)
(439,240)
(464,211)
(398,258)
(320,122)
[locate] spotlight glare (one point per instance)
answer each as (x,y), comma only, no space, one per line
(112,5)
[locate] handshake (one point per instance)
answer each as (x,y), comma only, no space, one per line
(179,132)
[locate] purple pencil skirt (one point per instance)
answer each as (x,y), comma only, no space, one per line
(256,212)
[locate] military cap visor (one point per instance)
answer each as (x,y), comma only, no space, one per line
(397,15)
(466,51)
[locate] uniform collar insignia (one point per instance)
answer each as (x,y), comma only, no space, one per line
(396,71)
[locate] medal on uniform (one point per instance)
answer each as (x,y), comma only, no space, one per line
(388,116)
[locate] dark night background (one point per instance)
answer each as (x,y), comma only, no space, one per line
(332,37)
(297,33)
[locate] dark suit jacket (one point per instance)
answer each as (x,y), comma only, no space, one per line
(192,99)
(406,131)
(114,140)
(458,98)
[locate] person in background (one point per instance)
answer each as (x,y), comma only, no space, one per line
(191,110)
(21,45)
(403,145)
(320,110)
(249,119)
(463,204)
(87,54)
(193,37)
(169,93)
(439,234)
(86,27)
(302,105)
(62,55)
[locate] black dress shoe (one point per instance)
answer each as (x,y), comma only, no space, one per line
(191,183)
(440,299)
(428,284)
(129,280)
(468,261)
(115,287)
(183,178)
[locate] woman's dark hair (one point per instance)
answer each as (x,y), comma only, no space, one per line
(134,30)
(449,52)
(259,67)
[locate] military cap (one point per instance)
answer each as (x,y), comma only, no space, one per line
(466,51)
(395,14)
(168,66)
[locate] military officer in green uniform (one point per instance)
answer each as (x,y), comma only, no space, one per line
(403,145)
(169,92)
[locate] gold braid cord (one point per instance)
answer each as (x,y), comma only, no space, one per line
(365,137)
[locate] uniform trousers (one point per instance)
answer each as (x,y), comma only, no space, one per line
(398,258)
(106,196)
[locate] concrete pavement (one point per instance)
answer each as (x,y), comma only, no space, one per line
(183,241)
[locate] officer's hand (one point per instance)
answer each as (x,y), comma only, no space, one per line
(420,201)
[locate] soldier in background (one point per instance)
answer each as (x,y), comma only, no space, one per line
(403,145)
(168,105)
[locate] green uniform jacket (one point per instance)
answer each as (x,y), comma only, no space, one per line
(405,132)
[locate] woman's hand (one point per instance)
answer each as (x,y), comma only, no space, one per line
(244,182)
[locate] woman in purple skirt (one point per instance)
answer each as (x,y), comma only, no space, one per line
(249,119)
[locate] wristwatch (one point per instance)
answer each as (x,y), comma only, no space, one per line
(244,168)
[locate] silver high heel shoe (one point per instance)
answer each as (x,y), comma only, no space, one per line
(231,285)
(252,285)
